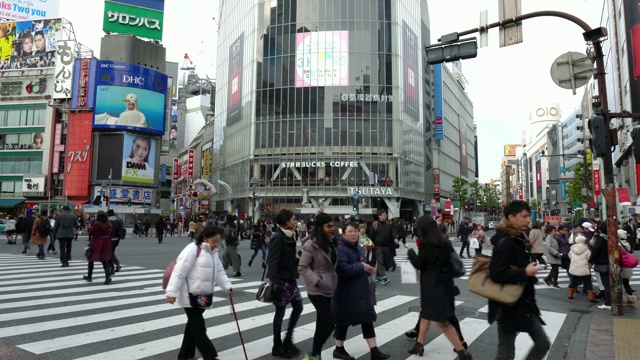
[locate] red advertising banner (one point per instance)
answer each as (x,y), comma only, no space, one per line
(192,154)
(78,155)
(597,189)
(176,170)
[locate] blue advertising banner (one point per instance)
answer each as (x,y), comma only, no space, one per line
(147,4)
(129,97)
(163,173)
(438,103)
(84,86)
(563,190)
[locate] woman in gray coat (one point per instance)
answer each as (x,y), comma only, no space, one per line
(536,238)
(552,250)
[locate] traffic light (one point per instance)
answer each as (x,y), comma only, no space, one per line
(355,208)
(599,131)
(128,202)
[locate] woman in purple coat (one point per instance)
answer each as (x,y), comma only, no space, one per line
(100,241)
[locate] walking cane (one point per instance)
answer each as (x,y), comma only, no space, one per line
(233,309)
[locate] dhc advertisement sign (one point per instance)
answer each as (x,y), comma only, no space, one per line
(129,97)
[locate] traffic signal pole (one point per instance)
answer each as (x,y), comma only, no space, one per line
(594,36)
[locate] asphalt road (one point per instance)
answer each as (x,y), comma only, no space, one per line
(48,312)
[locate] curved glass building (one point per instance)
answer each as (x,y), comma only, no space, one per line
(323,102)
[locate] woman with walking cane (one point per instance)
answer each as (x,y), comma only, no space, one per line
(191,285)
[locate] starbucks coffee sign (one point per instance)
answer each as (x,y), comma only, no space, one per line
(371,191)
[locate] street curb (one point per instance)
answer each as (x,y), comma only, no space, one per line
(578,347)
(13,352)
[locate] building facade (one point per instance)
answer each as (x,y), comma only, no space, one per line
(323,103)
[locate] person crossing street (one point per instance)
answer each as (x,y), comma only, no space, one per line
(65,228)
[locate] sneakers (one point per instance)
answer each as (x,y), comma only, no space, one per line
(383,280)
(342,354)
(604,307)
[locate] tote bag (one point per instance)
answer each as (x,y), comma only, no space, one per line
(480,283)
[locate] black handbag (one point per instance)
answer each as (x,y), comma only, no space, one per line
(457,266)
(265,292)
(200,301)
(87,251)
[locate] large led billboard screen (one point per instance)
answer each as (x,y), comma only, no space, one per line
(139,160)
(322,58)
(78,153)
(29,44)
(129,97)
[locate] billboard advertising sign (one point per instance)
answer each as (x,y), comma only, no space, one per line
(29,10)
(410,72)
(597,188)
(163,173)
(510,150)
(322,58)
(29,44)
(632,21)
(464,159)
(138,159)
(147,4)
(438,103)
(77,169)
(192,155)
(129,97)
(64,69)
(33,185)
(127,19)
(539,174)
(83,89)
(123,194)
(206,166)
(57,149)
(236,63)
(27,140)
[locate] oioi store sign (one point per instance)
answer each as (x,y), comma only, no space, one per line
(126,19)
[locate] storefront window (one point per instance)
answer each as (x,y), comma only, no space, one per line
(11,186)
(29,117)
(23,165)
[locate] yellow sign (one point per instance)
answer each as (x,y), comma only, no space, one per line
(510,149)
(206,168)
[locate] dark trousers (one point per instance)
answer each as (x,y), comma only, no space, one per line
(383,255)
(195,336)
(368,331)
(507,342)
(293,320)
(606,284)
(627,286)
(537,257)
(40,251)
(575,281)
(159,236)
(478,250)
(52,243)
(465,245)
(114,259)
(553,274)
(65,249)
(324,322)
(105,266)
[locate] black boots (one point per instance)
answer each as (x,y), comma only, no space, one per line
(288,346)
(376,354)
(342,354)
(464,355)
(284,350)
(417,348)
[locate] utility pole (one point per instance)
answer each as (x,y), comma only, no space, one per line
(436,54)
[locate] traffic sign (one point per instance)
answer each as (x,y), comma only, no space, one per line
(553,182)
(356,196)
(433,201)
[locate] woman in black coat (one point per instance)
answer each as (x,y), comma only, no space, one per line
(282,271)
(352,302)
(600,260)
(436,285)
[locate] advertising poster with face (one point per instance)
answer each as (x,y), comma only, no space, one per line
(411,75)
(138,161)
(234,105)
(29,44)
(23,141)
(130,97)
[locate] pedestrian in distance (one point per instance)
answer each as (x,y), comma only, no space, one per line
(627,273)
(230,256)
(511,264)
(282,271)
(192,229)
(160,228)
(40,233)
(100,242)
(464,231)
(53,217)
(317,267)
(477,239)
(10,230)
(536,238)
(384,238)
(580,268)
(26,229)
(117,233)
(259,235)
(65,228)
(195,275)
(437,289)
(600,260)
(352,302)
(554,257)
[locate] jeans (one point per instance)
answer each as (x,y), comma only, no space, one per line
(40,251)
(465,245)
(383,253)
(368,331)
(553,274)
(25,243)
(324,322)
(606,284)
(195,336)
(65,249)
(52,243)
(507,342)
(262,247)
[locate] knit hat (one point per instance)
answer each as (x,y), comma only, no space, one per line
(322,219)
(622,234)
(579,239)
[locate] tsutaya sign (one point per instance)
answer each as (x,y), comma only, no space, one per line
(319,164)
(371,191)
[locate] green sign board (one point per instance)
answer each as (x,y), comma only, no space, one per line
(126,19)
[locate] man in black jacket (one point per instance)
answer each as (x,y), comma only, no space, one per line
(631,229)
(510,264)
(464,230)
(116,231)
(383,236)
(65,229)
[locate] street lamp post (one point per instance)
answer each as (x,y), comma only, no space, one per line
(253,182)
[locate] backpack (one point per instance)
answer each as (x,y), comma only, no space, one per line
(169,270)
(20,226)
(45,228)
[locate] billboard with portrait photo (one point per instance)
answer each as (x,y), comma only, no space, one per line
(236,63)
(410,72)
(138,161)
(129,97)
(22,141)
(29,44)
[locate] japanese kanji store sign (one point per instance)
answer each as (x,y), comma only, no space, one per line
(126,19)
(64,69)
(33,185)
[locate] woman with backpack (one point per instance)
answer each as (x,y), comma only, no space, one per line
(191,286)
(100,242)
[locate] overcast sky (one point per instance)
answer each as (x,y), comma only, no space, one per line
(505,84)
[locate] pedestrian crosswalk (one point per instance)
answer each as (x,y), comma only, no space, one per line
(52,312)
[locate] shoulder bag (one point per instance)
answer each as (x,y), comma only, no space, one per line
(457,266)
(265,290)
(480,283)
(627,259)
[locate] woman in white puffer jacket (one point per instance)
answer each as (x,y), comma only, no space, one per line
(580,269)
(191,286)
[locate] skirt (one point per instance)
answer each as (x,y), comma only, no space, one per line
(288,293)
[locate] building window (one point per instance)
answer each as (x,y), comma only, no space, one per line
(22,165)
(28,117)
(11,186)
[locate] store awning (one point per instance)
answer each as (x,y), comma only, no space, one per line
(10,203)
